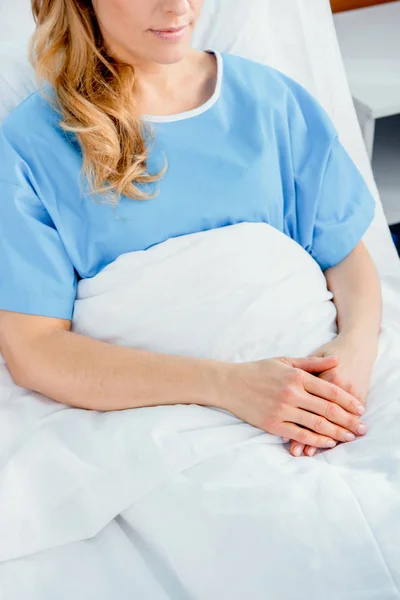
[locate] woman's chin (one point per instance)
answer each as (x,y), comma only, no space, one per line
(166,52)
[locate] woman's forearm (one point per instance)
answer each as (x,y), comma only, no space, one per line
(357,296)
(86,373)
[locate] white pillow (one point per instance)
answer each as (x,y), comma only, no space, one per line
(17,77)
(16,20)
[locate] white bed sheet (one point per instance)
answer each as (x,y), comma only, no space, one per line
(187,502)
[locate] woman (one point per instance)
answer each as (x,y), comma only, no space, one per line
(88,173)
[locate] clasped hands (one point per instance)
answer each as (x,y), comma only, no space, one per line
(349,367)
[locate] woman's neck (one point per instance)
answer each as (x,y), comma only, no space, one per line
(171,89)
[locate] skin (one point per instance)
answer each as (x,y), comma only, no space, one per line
(126,25)
(170,76)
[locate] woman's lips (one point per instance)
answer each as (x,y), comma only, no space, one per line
(170,34)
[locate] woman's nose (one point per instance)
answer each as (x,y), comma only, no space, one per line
(177,7)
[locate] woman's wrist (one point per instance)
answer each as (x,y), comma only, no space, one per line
(231,385)
(359,341)
(222,377)
(360,330)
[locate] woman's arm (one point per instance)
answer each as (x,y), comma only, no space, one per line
(44,355)
(357,296)
(276,395)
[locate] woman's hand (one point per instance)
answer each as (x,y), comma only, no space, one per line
(352,374)
(282,397)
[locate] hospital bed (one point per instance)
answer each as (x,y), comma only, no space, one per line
(297,37)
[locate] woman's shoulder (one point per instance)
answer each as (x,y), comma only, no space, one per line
(258,76)
(31,134)
(273,89)
(32,140)
(36,114)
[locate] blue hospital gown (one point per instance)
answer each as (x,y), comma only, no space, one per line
(260,150)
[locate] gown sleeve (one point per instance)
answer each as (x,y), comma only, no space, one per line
(36,275)
(331,207)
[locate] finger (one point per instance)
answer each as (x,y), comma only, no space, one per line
(319,425)
(296,449)
(285,440)
(310,451)
(332,412)
(328,391)
(347,386)
(315,364)
(304,436)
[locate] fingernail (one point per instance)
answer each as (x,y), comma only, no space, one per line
(297,450)
(312,451)
(350,437)
(360,409)
(330,444)
(361,429)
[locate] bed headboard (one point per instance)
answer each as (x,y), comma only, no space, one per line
(341,5)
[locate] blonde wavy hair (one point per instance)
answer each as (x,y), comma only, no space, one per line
(95,94)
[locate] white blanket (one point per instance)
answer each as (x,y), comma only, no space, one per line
(187,502)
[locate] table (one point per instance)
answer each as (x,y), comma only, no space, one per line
(370,44)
